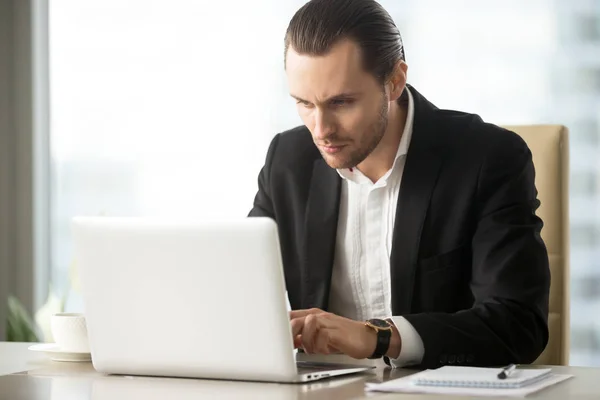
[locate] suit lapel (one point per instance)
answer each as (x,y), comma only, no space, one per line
(321,226)
(421,170)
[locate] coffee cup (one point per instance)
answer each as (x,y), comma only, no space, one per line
(70,332)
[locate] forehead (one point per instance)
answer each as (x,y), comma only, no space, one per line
(319,77)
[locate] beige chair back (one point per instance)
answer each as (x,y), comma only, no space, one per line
(549,145)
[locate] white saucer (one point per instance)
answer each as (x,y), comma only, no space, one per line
(56,354)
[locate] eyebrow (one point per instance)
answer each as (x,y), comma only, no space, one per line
(336,97)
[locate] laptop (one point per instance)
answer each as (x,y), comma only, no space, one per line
(203,299)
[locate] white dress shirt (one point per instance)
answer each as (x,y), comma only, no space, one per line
(360,284)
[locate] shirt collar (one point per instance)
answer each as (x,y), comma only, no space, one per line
(353,174)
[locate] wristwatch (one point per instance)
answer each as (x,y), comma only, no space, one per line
(384,333)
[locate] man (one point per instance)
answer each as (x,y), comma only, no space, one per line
(406,231)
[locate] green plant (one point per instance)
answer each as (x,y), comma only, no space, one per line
(20,326)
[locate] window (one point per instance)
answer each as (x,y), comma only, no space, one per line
(588,27)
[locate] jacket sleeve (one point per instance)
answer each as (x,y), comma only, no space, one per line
(263,205)
(508,322)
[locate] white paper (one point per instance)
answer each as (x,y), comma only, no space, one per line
(405,385)
(452,375)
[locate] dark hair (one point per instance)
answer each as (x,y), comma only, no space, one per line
(320,24)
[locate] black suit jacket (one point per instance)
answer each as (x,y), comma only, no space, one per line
(469,269)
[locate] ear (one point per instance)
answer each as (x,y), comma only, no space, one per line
(397,81)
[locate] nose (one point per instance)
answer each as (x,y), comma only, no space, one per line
(323,126)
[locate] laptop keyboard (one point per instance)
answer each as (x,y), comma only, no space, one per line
(305,367)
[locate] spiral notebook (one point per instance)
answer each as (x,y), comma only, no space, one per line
(477,377)
(471,381)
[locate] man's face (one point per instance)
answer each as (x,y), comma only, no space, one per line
(343,106)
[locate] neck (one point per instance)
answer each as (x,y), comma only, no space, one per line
(382,158)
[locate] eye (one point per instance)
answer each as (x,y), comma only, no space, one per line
(341,102)
(304,103)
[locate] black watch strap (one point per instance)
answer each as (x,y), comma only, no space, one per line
(383,342)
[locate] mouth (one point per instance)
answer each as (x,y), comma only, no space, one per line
(332,149)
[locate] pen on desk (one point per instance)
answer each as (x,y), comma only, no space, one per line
(505,373)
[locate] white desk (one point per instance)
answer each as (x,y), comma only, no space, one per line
(31,376)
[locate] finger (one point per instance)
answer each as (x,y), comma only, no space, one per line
(322,342)
(297,325)
(304,313)
(297,341)
(309,332)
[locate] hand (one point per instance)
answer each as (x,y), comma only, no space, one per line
(320,332)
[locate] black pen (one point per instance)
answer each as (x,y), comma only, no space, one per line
(505,373)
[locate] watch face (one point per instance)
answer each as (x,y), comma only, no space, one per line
(379,323)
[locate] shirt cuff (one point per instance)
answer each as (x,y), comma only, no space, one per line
(412,350)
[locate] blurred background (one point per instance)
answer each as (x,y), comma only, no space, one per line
(154,107)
